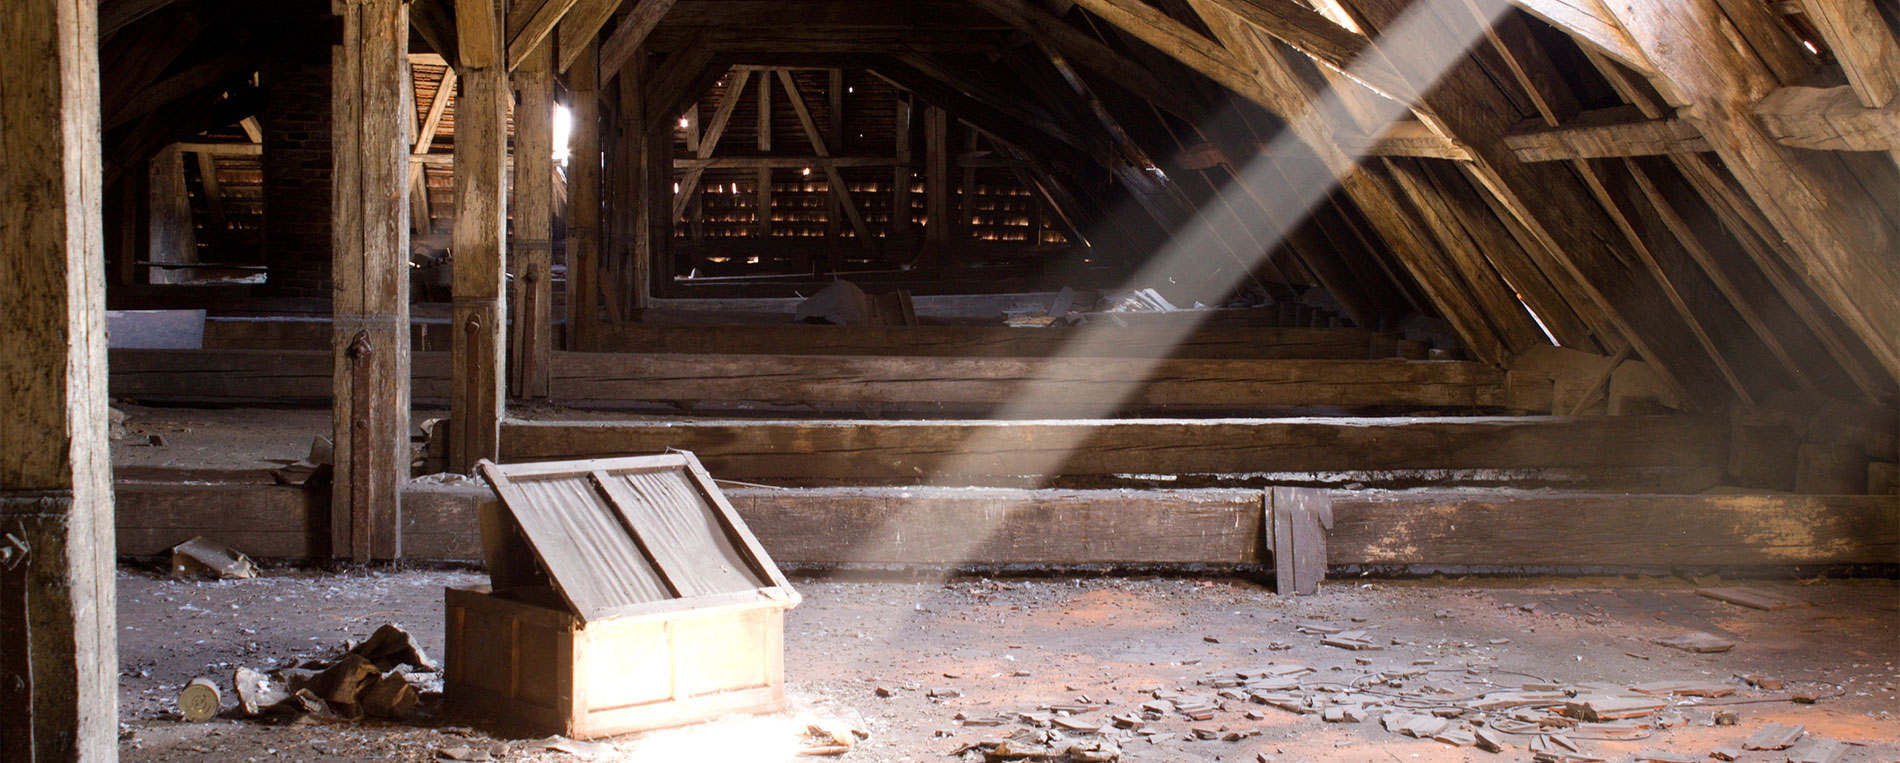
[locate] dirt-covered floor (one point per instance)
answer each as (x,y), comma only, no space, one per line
(871,654)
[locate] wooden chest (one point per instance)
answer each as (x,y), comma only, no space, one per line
(626,596)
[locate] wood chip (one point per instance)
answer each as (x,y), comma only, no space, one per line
(1751,597)
(1657,756)
(1774,736)
(1600,708)
(1685,688)
(1725,753)
(1817,751)
(1701,643)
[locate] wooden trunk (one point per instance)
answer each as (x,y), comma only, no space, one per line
(520,655)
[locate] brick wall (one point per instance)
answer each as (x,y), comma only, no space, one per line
(297,163)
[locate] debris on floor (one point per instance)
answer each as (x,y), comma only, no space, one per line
(376,678)
(200,557)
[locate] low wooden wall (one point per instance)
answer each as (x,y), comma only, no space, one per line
(305,377)
(991,341)
(927,527)
(1665,453)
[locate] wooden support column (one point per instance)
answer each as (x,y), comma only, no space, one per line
(532,332)
(936,179)
(479,236)
(764,177)
(632,245)
(59,661)
(173,242)
(370,277)
(900,177)
(583,203)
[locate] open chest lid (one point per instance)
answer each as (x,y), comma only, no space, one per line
(625,537)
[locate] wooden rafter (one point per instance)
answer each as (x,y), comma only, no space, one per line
(709,141)
(832,177)
(528,33)
(631,34)
(1614,132)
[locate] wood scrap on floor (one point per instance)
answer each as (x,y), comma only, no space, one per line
(1752,598)
(1774,736)
(1701,643)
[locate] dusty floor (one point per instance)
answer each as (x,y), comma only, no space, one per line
(1020,645)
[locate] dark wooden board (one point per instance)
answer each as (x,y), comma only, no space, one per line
(972,452)
(987,341)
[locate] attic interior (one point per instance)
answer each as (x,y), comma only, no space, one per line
(1178,380)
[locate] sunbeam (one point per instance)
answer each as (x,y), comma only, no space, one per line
(1288,177)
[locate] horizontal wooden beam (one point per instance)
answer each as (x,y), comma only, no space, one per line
(1084,383)
(1635,453)
(1406,138)
(228,376)
(1828,119)
(1604,134)
(782,162)
(929,527)
(223,149)
(989,341)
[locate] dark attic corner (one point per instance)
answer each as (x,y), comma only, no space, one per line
(978,380)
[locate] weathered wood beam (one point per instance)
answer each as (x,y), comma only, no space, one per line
(1327,42)
(631,33)
(1605,133)
(825,527)
(832,178)
(1591,24)
(203,75)
(532,327)
(223,149)
(479,236)
(1407,138)
(1828,119)
(583,202)
(434,22)
(996,98)
(777,162)
(58,639)
(1642,450)
(1288,94)
(1862,44)
(913,381)
(989,341)
(172,238)
(369,355)
(936,178)
(525,36)
(214,201)
(1095,55)
(1844,242)
(709,141)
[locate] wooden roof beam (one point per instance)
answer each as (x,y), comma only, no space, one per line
(1592,25)
(1829,119)
(526,29)
(1078,46)
(631,34)
(1606,133)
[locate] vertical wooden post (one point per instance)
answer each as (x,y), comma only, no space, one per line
(479,236)
(633,189)
(583,203)
(900,177)
(173,242)
(834,141)
(59,661)
(216,231)
(936,180)
(764,223)
(370,279)
(531,331)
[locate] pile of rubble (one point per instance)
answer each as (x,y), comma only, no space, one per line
(1492,710)
(379,678)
